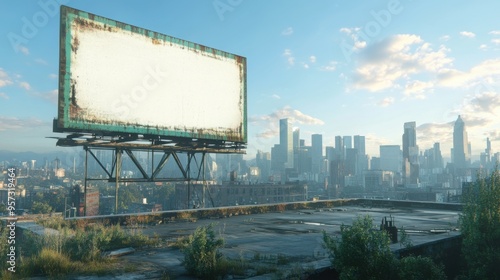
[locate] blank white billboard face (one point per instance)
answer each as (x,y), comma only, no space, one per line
(121,78)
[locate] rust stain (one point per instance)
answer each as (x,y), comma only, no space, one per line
(75,44)
(85,24)
(156,41)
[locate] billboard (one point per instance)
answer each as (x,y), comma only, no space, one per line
(115,78)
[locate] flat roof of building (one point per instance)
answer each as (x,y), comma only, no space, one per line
(297,234)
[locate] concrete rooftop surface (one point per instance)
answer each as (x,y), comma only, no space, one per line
(293,234)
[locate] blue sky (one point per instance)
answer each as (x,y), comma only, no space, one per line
(332,67)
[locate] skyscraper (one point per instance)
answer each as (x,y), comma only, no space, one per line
(347,142)
(410,154)
(263,161)
(296,148)
(461,154)
(286,142)
(409,138)
(317,152)
(390,158)
(359,144)
(339,147)
(438,158)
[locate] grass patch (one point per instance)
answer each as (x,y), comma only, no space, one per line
(76,249)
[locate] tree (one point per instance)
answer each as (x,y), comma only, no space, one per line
(480,227)
(3,208)
(414,268)
(41,208)
(362,252)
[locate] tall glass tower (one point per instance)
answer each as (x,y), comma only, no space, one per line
(410,154)
(461,154)
(286,142)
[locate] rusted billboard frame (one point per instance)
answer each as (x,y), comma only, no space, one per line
(65,123)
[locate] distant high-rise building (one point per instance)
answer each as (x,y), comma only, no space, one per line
(485,157)
(391,158)
(277,163)
(410,154)
(317,152)
(329,153)
(375,163)
(409,141)
(351,161)
(438,158)
(359,144)
(461,156)
(304,158)
(286,142)
(263,161)
(347,142)
(339,147)
(296,148)
(296,138)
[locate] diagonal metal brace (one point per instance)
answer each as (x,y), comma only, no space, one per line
(136,162)
(161,164)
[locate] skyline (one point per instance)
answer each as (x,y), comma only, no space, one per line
(332,68)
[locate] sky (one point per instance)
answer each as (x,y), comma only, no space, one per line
(333,67)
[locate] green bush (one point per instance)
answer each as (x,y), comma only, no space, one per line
(420,268)
(361,252)
(41,208)
(201,256)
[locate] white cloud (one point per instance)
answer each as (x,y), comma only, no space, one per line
(483,47)
(445,38)
(430,133)
(418,88)
(4,78)
(9,123)
(496,41)
(50,96)
(24,50)
(41,61)
(25,85)
(287,53)
(53,76)
(484,72)
(373,143)
(331,66)
(468,34)
(386,102)
(495,32)
(352,32)
(287,32)
(270,122)
(394,60)
(312,59)
(306,66)
(481,109)
(275,96)
(3,95)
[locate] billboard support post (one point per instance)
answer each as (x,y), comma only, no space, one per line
(85,182)
(118,167)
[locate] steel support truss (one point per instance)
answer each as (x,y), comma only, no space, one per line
(193,170)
